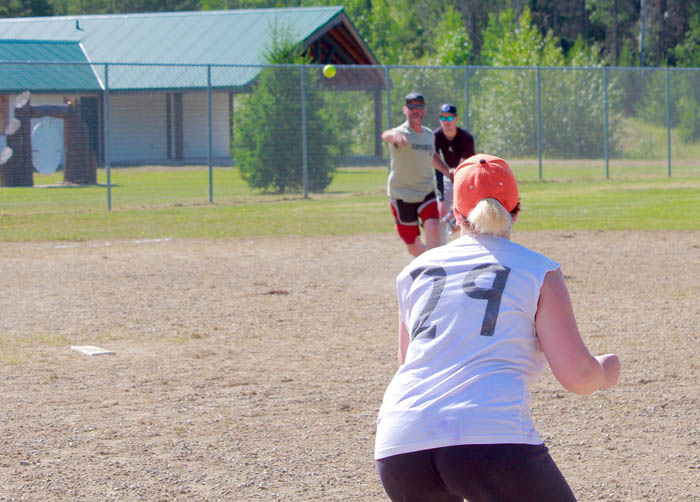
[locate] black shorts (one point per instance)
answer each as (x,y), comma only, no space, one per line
(478,473)
(407,213)
(406,216)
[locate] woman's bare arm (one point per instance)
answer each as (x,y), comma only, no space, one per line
(571,362)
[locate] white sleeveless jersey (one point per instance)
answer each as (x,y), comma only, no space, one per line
(469,308)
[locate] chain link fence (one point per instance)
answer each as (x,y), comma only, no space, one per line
(287,128)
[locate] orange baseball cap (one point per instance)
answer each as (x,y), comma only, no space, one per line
(482,176)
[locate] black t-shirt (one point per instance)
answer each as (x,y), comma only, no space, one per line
(460,147)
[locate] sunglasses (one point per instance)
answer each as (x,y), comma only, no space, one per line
(447,119)
(413,106)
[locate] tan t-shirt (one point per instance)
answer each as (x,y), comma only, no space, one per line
(411,173)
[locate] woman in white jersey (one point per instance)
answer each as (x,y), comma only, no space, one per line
(479,319)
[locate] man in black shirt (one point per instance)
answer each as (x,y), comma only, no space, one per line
(455,145)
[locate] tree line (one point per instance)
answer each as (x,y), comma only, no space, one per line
(436,32)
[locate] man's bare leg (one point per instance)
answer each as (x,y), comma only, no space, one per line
(432,232)
(416,248)
(442,207)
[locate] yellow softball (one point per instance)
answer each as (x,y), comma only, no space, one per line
(329,71)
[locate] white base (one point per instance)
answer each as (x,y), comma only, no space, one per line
(91,350)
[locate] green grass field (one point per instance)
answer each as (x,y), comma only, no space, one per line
(157,202)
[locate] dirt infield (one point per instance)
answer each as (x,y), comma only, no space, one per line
(253,369)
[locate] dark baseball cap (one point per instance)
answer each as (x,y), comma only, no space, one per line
(448,108)
(415,96)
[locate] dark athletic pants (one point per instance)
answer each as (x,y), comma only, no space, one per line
(477,473)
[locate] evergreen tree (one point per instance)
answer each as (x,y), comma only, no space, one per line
(268,137)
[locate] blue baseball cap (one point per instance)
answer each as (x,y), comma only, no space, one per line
(448,108)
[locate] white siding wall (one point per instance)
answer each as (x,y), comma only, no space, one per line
(196,123)
(138,128)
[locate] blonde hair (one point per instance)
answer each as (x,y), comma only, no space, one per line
(488,217)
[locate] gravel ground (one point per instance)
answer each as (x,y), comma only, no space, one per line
(253,369)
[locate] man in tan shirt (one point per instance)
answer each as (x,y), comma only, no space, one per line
(410,183)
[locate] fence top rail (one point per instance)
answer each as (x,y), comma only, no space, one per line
(352,66)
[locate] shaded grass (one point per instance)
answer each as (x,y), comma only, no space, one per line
(157,202)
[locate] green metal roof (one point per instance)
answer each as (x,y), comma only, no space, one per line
(18,77)
(237,37)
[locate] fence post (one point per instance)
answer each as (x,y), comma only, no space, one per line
(388,115)
(668,118)
(209,134)
(466,100)
(539,123)
(108,141)
(304,144)
(607,145)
